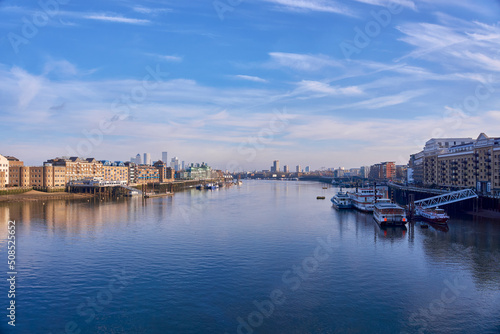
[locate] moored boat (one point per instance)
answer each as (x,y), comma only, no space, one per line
(436,216)
(386,213)
(341,200)
(363,199)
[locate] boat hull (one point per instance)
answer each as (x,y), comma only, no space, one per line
(393,223)
(340,205)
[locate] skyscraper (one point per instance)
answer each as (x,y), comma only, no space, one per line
(174,164)
(297,169)
(286,169)
(308,169)
(147,159)
(164,157)
(276,165)
(138,159)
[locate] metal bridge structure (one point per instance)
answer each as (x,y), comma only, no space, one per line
(455,196)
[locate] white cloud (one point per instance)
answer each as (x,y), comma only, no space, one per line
(384,101)
(303,62)
(385,3)
(116,19)
(313,5)
(324,89)
(147,10)
(250,78)
(466,46)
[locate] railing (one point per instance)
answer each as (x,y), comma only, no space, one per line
(455,196)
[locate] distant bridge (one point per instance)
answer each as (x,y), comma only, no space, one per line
(455,196)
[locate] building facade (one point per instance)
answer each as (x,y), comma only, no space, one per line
(17,172)
(147,159)
(474,164)
(4,171)
(166,174)
(78,168)
(202,172)
(383,171)
(146,174)
(115,171)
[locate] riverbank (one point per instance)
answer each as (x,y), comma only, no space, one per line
(34,195)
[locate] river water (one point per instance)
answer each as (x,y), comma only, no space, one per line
(264,257)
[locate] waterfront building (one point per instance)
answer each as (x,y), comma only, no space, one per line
(364,172)
(115,171)
(473,164)
(401,172)
(4,171)
(131,171)
(17,173)
(339,172)
(147,159)
(77,168)
(416,168)
(383,171)
(354,171)
(166,174)
(147,174)
(203,172)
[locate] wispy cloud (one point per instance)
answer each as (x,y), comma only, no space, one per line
(324,89)
(116,19)
(148,10)
(385,101)
(302,62)
(385,3)
(313,5)
(168,58)
(465,45)
(250,78)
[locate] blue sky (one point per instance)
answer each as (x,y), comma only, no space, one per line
(238,84)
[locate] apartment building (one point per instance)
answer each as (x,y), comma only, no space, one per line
(115,171)
(383,171)
(147,174)
(166,174)
(4,171)
(468,164)
(77,168)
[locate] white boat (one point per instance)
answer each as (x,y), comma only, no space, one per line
(341,200)
(437,215)
(386,213)
(364,198)
(211,186)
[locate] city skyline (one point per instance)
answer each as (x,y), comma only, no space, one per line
(331,85)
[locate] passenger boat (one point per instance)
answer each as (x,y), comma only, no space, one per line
(436,216)
(341,200)
(211,186)
(364,198)
(386,213)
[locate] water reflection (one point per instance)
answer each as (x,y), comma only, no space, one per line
(209,254)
